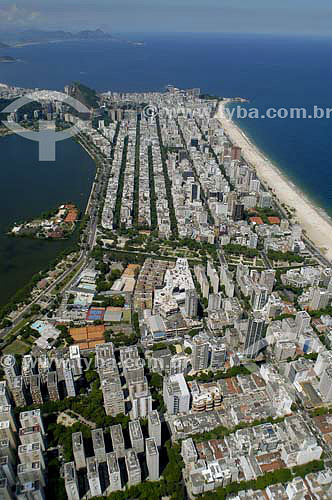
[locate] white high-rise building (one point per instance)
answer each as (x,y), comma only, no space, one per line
(152,459)
(117,440)
(259,297)
(32,452)
(154,426)
(302,322)
(325,385)
(113,472)
(75,360)
(214,277)
(6,432)
(31,418)
(320,299)
(6,450)
(30,472)
(98,445)
(52,386)
(178,364)
(69,380)
(218,356)
(133,467)
(4,394)
(114,402)
(141,404)
(200,354)
(18,391)
(191,303)
(7,470)
(78,450)
(214,303)
(6,413)
(32,434)
(323,361)
(93,476)
(71,482)
(176,394)
(267,279)
(136,436)
(27,368)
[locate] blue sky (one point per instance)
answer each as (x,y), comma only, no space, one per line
(255,16)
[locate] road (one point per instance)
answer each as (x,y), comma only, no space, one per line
(90,233)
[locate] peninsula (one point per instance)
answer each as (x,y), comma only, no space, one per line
(56,224)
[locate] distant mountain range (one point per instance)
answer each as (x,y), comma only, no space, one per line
(38,36)
(7,59)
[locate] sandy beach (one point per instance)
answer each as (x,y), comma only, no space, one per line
(316,223)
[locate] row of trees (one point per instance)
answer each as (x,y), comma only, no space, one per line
(153,207)
(168,184)
(117,209)
(284,256)
(235,249)
(136,174)
(219,375)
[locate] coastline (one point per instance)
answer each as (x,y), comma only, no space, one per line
(314,220)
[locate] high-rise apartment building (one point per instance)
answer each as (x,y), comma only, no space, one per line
(93,476)
(133,467)
(254,338)
(176,394)
(71,482)
(113,472)
(200,354)
(99,445)
(154,427)
(78,450)
(136,436)
(118,440)
(152,459)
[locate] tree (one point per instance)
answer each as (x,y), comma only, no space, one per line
(156,380)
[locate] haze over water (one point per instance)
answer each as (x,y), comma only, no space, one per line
(270,71)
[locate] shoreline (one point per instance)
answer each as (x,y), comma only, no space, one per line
(313,219)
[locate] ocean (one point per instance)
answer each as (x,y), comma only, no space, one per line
(271,71)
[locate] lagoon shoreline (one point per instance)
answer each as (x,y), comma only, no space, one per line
(313,219)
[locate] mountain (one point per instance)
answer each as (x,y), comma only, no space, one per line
(34,36)
(84,94)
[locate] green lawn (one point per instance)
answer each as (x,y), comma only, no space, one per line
(16,347)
